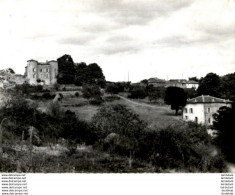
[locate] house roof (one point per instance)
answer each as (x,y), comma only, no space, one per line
(177,81)
(156,80)
(32,60)
(207,99)
(42,63)
(192,82)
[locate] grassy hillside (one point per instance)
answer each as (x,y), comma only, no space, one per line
(156,116)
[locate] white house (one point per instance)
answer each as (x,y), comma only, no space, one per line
(202,108)
(192,84)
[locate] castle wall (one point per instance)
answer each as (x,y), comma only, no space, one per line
(44,72)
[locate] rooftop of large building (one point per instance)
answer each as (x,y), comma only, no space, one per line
(42,63)
(207,99)
(156,80)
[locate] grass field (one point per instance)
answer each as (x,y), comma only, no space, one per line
(156,116)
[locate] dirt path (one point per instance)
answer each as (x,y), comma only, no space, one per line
(140,103)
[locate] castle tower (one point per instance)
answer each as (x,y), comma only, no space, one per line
(53,71)
(32,71)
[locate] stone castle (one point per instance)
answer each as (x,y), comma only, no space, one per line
(44,73)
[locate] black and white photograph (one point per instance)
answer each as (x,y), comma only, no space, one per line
(117,86)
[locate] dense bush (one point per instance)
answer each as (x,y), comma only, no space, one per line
(138,93)
(225,124)
(184,147)
(47,96)
(27,88)
(155,93)
(52,125)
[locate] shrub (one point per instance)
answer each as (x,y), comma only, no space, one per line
(47,96)
(91,91)
(96,101)
(111,98)
(138,92)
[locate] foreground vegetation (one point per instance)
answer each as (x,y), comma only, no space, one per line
(115,139)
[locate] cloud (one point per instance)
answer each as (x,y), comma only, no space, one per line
(222,31)
(180,40)
(77,40)
(119,44)
(39,35)
(138,12)
(112,49)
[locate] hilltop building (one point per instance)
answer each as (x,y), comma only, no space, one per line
(182,83)
(202,108)
(44,73)
(156,82)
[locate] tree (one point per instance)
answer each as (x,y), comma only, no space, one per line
(81,74)
(112,88)
(91,91)
(225,124)
(155,93)
(118,120)
(176,97)
(138,92)
(229,86)
(145,82)
(191,93)
(210,85)
(91,74)
(66,71)
(193,79)
(11,70)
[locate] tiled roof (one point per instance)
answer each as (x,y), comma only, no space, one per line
(156,80)
(207,99)
(192,82)
(32,60)
(178,81)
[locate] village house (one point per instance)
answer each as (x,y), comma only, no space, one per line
(192,84)
(156,82)
(41,73)
(202,108)
(182,83)
(9,79)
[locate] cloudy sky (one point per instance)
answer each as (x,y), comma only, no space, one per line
(147,38)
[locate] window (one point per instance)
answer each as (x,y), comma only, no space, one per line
(186,117)
(47,70)
(34,69)
(196,120)
(191,110)
(208,110)
(186,110)
(34,76)
(41,70)
(47,76)
(209,120)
